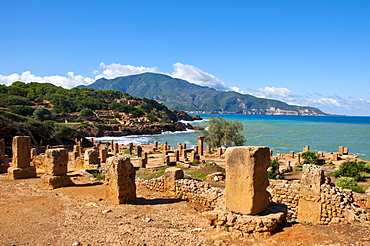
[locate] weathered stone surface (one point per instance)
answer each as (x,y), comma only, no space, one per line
(21,151)
(309,211)
(247,179)
(368,198)
(91,158)
(21,172)
(120,177)
(53,182)
(311,181)
(170,176)
(56,161)
(103,154)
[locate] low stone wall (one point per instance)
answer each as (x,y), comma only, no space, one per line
(191,190)
(337,205)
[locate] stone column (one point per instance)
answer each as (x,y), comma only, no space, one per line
(77,149)
(115,148)
(155,144)
(340,150)
(309,206)
(219,151)
(21,159)
(55,163)
(131,147)
(177,155)
(200,145)
(103,154)
(169,179)
(185,154)
(139,150)
(291,154)
(247,179)
(335,157)
(345,151)
(120,178)
(4,159)
(305,149)
(184,145)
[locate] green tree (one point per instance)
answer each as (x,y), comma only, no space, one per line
(310,157)
(222,132)
(41,114)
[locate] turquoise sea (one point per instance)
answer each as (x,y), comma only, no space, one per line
(281,133)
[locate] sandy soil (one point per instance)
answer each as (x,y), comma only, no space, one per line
(80,215)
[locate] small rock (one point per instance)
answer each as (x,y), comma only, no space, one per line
(106,211)
(147,220)
(197,230)
(76,244)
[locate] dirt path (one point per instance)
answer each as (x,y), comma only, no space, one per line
(79,215)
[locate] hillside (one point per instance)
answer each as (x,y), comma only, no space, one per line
(182,95)
(54,115)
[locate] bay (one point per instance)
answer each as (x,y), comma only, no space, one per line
(281,133)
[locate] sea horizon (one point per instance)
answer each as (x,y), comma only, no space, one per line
(281,133)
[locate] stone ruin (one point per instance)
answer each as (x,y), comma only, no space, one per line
(55,164)
(247,179)
(4,159)
(120,178)
(21,159)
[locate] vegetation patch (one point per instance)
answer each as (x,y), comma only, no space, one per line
(149,175)
(202,172)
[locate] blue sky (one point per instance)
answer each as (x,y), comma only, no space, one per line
(312,53)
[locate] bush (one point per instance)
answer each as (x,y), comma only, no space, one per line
(86,112)
(310,157)
(273,171)
(41,114)
(349,183)
(351,169)
(22,110)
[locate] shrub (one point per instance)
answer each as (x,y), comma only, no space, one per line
(273,171)
(349,183)
(351,169)
(41,114)
(86,112)
(21,109)
(310,157)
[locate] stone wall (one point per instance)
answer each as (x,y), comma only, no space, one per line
(337,204)
(191,190)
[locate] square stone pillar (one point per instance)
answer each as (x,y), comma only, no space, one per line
(91,158)
(170,176)
(247,179)
(55,162)
(120,178)
(21,159)
(103,154)
(200,145)
(309,205)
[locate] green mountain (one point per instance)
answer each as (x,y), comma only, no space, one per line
(182,95)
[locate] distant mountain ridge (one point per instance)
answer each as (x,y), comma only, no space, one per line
(183,95)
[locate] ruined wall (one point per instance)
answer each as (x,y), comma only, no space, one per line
(337,204)
(191,190)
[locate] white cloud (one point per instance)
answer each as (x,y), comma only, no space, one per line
(67,82)
(272,93)
(115,70)
(196,76)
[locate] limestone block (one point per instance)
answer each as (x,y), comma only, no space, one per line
(120,177)
(368,198)
(21,172)
(103,154)
(309,211)
(91,156)
(21,151)
(39,161)
(247,179)
(56,161)
(170,176)
(53,182)
(311,181)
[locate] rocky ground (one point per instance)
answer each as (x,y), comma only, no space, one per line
(80,215)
